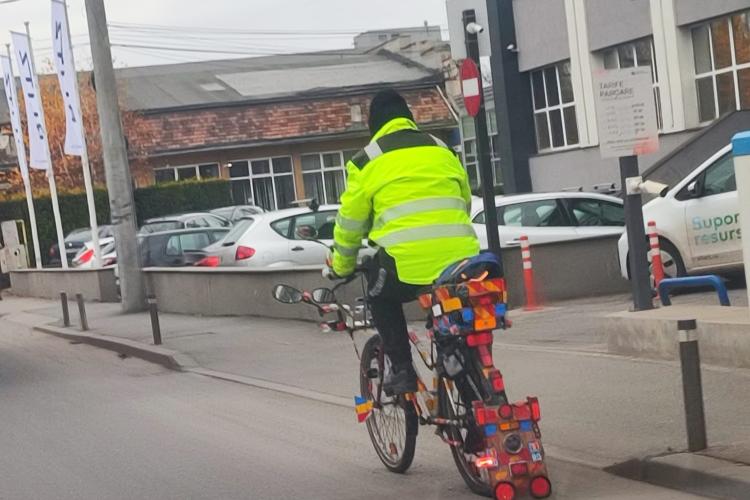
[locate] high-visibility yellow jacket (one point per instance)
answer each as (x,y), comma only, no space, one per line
(410,195)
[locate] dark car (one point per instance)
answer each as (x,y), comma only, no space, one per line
(184,221)
(237,212)
(181,247)
(75,241)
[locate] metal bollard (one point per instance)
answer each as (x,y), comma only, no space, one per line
(692,388)
(82,312)
(154,311)
(65,310)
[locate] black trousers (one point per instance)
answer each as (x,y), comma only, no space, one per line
(387,294)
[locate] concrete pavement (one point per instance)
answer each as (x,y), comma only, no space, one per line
(598,409)
(81,423)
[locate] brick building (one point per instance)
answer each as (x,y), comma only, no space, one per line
(280,128)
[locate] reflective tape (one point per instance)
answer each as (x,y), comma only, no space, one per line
(373,150)
(526,253)
(351,224)
(425,233)
(346,251)
(418,206)
(527,264)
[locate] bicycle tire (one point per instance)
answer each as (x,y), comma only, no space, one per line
(465,468)
(402,461)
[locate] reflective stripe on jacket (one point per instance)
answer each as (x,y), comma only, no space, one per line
(410,194)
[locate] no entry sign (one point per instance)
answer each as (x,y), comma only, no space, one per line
(471,86)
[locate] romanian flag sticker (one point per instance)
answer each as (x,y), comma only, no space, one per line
(363,408)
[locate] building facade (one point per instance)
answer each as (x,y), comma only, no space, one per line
(698,52)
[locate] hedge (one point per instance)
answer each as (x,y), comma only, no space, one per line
(153,201)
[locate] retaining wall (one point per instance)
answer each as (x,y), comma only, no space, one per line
(95,284)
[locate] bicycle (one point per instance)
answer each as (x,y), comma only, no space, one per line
(496,445)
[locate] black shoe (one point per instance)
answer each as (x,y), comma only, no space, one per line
(400,381)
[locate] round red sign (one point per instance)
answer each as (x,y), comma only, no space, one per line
(471,87)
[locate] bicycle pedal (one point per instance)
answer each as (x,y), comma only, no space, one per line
(441,434)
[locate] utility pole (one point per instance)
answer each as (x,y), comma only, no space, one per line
(116,166)
(483,142)
(512,91)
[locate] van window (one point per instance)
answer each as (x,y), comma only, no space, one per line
(719,177)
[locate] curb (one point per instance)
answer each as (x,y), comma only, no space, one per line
(694,473)
(154,354)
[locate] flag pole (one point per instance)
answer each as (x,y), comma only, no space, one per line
(50,170)
(85,164)
(21,155)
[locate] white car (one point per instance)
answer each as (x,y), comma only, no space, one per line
(85,257)
(697,221)
(277,239)
(550,217)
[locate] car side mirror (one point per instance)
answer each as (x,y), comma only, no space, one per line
(323,296)
(692,189)
(287,294)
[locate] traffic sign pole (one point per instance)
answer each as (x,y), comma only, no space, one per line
(475,104)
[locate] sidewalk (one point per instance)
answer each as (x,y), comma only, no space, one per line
(598,409)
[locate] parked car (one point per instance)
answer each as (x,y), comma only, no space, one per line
(550,217)
(697,221)
(237,212)
(75,241)
(84,259)
(277,239)
(183,221)
(182,247)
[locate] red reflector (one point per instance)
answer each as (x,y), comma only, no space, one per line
(505,491)
(210,261)
(244,253)
(487,462)
(519,469)
(521,411)
(505,412)
(536,411)
(497,381)
(475,339)
(540,487)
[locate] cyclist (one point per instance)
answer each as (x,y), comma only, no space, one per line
(409,194)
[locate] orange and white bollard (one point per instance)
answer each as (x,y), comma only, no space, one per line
(528,276)
(657,266)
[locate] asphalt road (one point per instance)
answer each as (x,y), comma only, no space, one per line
(77,422)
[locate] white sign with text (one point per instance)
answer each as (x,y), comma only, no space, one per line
(66,74)
(11,94)
(626,112)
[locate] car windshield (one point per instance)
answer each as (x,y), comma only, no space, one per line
(79,236)
(237,231)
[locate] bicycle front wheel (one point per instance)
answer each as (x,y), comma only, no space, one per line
(393,423)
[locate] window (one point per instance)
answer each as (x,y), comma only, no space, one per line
(237,231)
(266,182)
(721,52)
(591,212)
(282,227)
(314,226)
(542,213)
(470,148)
(719,177)
(639,53)
(323,175)
(185,172)
(186,243)
(554,107)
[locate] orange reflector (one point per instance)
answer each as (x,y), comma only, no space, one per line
(509,426)
(486,462)
(452,304)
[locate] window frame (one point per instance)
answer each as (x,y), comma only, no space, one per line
(271,174)
(322,170)
(570,209)
(196,167)
(734,68)
(547,110)
(467,139)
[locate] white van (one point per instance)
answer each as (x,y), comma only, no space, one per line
(697,221)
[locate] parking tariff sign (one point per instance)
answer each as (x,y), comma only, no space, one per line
(626,112)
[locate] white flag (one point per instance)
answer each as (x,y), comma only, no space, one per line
(11,94)
(66,74)
(38,145)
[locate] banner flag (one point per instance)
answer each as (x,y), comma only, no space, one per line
(66,74)
(11,95)
(38,145)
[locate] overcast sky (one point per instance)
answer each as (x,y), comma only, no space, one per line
(294,25)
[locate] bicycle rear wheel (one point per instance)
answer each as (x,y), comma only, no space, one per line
(393,423)
(453,406)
